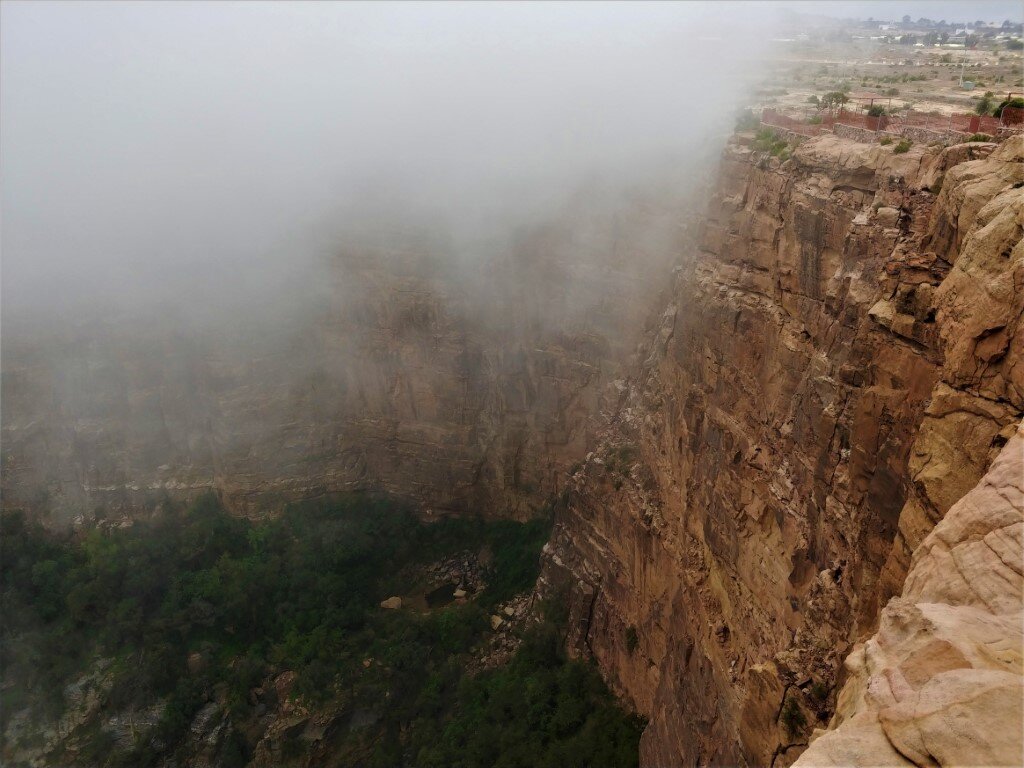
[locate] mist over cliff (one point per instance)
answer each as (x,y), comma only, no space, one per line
(282,250)
(195,155)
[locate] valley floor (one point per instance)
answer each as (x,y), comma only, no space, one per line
(196,638)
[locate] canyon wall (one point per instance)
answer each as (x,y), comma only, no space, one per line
(463,384)
(839,364)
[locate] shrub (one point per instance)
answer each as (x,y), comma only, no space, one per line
(769,141)
(632,640)
(902,147)
(818,692)
(885,141)
(876,110)
(793,718)
(1016,103)
(980,137)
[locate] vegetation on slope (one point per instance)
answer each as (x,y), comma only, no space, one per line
(298,593)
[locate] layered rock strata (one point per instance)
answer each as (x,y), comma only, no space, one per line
(840,363)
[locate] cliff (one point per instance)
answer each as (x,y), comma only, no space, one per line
(839,364)
(463,387)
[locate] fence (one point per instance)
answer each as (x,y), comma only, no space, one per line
(919,126)
(859,120)
(949,123)
(777,119)
(1012,116)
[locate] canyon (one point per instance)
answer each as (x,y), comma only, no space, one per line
(761,413)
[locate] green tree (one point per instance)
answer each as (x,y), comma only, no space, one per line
(834,99)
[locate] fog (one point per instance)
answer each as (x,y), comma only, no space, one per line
(198,153)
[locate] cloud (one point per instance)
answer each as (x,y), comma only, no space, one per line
(168,153)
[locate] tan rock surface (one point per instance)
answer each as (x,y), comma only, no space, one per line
(828,380)
(941,682)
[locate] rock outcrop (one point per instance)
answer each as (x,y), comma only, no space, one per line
(839,364)
(942,680)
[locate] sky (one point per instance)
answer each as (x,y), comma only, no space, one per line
(950,10)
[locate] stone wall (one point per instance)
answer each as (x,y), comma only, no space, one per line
(855,133)
(786,133)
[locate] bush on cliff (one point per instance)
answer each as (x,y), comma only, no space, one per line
(1014,103)
(632,640)
(769,141)
(793,718)
(747,120)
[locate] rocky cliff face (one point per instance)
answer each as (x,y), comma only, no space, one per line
(940,682)
(839,364)
(463,387)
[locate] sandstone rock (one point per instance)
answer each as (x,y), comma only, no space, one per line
(887,216)
(496,621)
(824,387)
(391,603)
(942,681)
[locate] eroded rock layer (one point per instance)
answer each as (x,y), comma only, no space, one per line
(839,364)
